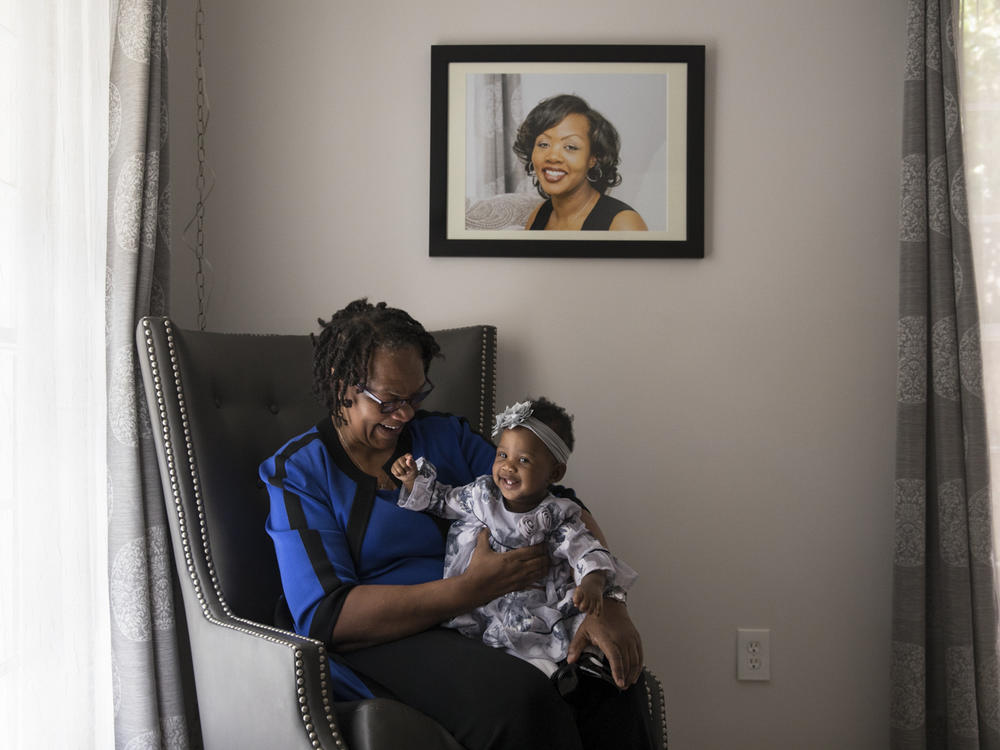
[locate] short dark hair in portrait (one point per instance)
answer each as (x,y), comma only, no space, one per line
(346,343)
(605,143)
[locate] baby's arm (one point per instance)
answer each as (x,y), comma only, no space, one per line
(589,595)
(405,470)
(422,491)
(594,567)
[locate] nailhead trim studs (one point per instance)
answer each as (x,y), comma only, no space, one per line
(203,529)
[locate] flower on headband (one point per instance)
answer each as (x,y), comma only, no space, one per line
(511,417)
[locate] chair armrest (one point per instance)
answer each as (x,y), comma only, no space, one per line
(656,705)
(260,686)
(381,724)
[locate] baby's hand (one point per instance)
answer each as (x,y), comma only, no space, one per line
(405,470)
(589,595)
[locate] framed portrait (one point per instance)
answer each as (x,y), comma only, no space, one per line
(567,151)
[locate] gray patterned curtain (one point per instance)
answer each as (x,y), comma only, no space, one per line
(945,615)
(495,112)
(146,667)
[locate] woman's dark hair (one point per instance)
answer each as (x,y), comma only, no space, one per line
(555,417)
(346,343)
(604,141)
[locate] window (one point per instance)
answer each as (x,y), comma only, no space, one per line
(8,339)
(55,662)
(980,92)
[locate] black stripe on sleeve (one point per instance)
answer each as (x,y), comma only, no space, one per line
(293,505)
(336,590)
(321,565)
(327,613)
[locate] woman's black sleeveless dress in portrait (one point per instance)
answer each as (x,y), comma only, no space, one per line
(599,218)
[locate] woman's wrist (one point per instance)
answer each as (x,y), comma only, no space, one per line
(616,593)
(463,588)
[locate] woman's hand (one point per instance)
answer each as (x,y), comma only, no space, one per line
(374,614)
(492,574)
(613,632)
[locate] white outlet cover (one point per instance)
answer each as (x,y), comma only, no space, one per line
(753,654)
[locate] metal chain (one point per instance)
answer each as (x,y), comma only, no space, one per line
(202,126)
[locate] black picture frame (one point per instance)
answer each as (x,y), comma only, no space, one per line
(616,70)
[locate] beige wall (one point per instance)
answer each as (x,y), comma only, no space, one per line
(734,414)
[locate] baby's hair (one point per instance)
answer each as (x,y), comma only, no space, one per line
(555,417)
(348,341)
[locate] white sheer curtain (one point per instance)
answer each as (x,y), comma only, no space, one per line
(980,92)
(55,664)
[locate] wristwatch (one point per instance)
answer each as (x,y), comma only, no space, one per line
(617,593)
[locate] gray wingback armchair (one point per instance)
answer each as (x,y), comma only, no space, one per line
(219,404)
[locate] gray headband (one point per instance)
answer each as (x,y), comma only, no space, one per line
(519,415)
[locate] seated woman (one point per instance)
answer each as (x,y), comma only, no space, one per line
(365,576)
(570,151)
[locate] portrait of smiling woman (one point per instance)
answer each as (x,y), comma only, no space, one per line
(571,154)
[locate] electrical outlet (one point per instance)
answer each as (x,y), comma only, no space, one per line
(753,654)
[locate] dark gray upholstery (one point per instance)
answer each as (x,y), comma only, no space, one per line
(220,404)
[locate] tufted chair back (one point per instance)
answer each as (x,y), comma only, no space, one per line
(220,404)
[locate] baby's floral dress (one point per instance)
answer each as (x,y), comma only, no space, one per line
(536,624)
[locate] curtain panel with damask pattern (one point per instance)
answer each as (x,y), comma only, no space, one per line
(495,113)
(152,708)
(944,652)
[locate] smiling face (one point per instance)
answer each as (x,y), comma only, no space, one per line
(393,374)
(561,156)
(524,468)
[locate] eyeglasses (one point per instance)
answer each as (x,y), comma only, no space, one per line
(388,407)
